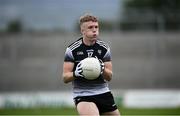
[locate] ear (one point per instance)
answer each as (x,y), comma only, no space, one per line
(82,29)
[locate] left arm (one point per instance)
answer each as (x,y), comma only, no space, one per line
(107,73)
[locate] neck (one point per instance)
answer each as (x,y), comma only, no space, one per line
(88,42)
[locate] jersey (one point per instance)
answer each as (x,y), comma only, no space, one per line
(78,51)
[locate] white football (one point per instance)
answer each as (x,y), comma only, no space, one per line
(91,68)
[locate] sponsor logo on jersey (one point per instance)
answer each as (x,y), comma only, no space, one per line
(80,53)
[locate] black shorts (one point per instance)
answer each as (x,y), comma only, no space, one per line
(104,102)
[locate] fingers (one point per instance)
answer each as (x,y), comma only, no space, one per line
(102,68)
(101,64)
(79,65)
(78,71)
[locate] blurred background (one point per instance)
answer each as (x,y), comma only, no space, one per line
(144,39)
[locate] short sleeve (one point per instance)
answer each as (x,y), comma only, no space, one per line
(68,55)
(107,56)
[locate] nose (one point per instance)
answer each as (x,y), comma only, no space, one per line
(94,29)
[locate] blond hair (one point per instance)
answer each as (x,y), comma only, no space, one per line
(87,18)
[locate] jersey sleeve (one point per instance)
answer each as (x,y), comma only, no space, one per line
(68,55)
(107,56)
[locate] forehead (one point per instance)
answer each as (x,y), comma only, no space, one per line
(90,23)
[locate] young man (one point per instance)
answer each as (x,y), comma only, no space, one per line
(91,97)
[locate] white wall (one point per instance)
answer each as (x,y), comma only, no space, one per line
(130,99)
(152,98)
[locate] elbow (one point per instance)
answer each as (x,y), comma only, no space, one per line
(64,79)
(68,77)
(108,77)
(111,74)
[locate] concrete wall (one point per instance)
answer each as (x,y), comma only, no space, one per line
(33,62)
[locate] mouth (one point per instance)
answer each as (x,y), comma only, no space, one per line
(94,35)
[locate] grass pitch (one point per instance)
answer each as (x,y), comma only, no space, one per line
(72,111)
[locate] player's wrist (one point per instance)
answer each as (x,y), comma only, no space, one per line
(102,66)
(78,72)
(74,74)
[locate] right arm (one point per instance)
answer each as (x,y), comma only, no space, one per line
(68,72)
(68,66)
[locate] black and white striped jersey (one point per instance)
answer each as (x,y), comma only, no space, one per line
(78,51)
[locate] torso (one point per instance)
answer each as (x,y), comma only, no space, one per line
(78,51)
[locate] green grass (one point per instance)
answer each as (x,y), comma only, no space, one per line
(128,111)
(39,111)
(72,111)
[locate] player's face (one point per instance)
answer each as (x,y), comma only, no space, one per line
(90,30)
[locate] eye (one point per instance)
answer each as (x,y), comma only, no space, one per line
(96,27)
(90,27)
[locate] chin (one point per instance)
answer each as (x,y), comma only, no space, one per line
(93,38)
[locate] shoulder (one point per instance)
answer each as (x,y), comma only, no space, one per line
(102,43)
(75,44)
